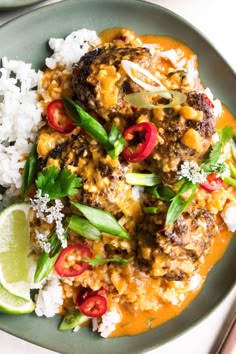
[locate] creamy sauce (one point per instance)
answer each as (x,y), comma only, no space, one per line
(134,323)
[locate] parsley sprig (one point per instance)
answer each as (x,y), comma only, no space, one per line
(58,184)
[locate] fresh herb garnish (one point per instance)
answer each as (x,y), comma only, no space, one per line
(142,179)
(98,260)
(46,260)
(58,184)
(84,228)
(224,137)
(44,266)
(72,320)
(102,220)
(116,141)
(30,169)
(161,192)
(113,143)
(150,210)
(179,203)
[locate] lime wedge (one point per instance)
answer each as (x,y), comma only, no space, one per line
(12,304)
(14,263)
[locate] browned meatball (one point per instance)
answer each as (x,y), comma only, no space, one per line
(175,252)
(100,83)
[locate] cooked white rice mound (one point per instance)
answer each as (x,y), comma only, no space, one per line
(20,118)
(108,323)
(49,298)
(229,216)
(69,50)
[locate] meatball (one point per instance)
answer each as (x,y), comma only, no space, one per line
(100,83)
(182,139)
(175,252)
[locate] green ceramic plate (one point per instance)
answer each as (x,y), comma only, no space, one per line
(29,36)
(11,4)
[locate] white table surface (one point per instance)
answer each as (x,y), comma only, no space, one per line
(216,19)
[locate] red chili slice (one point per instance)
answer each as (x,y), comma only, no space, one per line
(83,294)
(143,137)
(68,263)
(212,183)
(58,118)
(94,306)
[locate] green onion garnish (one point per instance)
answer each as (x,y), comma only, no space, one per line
(142,179)
(30,169)
(44,266)
(161,192)
(72,320)
(102,220)
(230,180)
(139,99)
(179,203)
(83,227)
(150,210)
(113,143)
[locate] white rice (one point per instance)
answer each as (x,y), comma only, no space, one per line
(69,50)
(228,215)
(20,118)
(49,298)
(21,113)
(108,323)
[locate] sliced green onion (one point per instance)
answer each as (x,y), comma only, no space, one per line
(114,143)
(230,180)
(29,171)
(233,147)
(84,228)
(179,204)
(85,121)
(232,169)
(72,320)
(142,179)
(102,220)
(117,142)
(150,210)
(139,99)
(44,266)
(161,192)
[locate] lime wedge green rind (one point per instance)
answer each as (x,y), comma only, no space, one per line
(14,250)
(14,305)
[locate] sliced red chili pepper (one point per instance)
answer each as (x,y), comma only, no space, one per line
(69,264)
(143,137)
(83,294)
(58,118)
(94,306)
(212,183)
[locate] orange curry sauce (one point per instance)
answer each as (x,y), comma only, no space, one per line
(135,323)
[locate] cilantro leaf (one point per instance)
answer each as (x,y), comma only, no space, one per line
(100,261)
(58,184)
(225,135)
